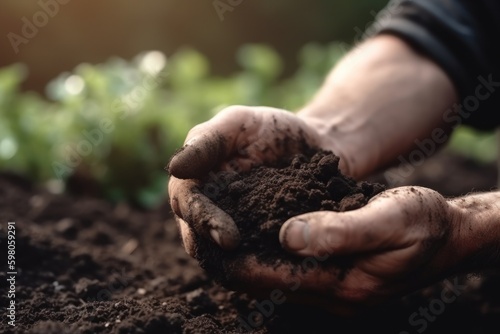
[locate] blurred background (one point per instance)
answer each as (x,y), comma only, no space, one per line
(95,96)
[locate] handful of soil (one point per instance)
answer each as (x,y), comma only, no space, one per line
(262,199)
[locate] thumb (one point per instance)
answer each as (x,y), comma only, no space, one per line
(370,228)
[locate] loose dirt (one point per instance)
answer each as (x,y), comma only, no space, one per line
(262,199)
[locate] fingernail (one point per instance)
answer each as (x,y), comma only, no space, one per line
(215,235)
(296,235)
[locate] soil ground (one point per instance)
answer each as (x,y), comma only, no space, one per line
(87,266)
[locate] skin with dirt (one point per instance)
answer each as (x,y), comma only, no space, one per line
(87,266)
(262,199)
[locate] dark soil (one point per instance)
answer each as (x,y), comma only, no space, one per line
(262,199)
(87,266)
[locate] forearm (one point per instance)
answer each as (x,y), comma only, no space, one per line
(476,237)
(376,102)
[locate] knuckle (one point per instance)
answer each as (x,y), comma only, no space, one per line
(196,131)
(326,235)
(231,110)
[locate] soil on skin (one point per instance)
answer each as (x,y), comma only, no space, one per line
(262,199)
(87,266)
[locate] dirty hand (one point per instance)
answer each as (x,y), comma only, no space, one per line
(401,240)
(236,139)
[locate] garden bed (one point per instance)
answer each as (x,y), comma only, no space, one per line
(88,266)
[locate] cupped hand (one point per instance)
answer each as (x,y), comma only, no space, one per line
(403,239)
(236,139)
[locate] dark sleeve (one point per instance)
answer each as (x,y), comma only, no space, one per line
(463,38)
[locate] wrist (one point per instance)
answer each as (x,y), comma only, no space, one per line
(476,231)
(361,117)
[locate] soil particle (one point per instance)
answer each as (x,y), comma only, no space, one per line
(201,325)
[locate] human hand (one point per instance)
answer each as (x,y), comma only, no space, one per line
(403,239)
(236,139)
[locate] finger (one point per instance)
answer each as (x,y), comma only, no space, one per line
(187,236)
(198,156)
(377,226)
(201,214)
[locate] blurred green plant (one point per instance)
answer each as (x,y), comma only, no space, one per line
(116,124)
(478,145)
